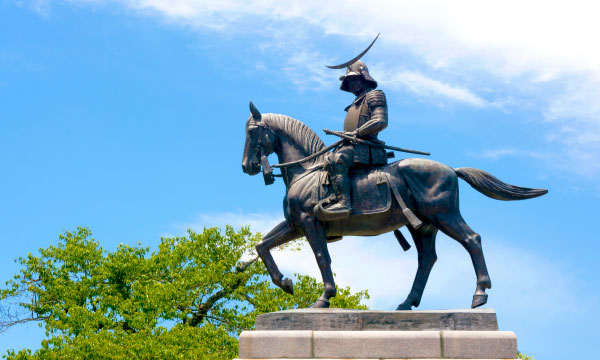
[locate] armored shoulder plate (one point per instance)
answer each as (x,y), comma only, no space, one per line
(376,98)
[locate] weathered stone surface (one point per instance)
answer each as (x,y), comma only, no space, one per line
(479,344)
(275,344)
(370,320)
(376,344)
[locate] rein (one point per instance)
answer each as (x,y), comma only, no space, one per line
(267,169)
(310,157)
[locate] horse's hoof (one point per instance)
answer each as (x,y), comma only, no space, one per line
(479,300)
(287,285)
(404,306)
(321,304)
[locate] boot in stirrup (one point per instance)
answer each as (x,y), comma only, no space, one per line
(341,208)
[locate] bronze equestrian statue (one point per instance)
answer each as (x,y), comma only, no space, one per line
(353,191)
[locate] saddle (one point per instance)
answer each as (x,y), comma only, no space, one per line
(370,193)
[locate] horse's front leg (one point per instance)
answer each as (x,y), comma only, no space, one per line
(281,234)
(315,234)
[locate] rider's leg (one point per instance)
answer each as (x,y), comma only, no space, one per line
(338,167)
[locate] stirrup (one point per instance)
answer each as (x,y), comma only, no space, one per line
(328,215)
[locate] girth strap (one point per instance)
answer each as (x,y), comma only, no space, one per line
(414,221)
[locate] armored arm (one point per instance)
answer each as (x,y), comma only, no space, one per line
(379,115)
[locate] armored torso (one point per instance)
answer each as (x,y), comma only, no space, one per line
(357,114)
(360,113)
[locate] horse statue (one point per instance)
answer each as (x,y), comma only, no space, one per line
(429,190)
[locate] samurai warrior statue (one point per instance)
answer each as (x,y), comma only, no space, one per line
(365,118)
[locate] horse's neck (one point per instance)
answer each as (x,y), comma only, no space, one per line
(288,151)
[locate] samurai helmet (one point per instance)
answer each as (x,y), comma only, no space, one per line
(358,68)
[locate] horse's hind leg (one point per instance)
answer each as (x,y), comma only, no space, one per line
(453,225)
(424,239)
(281,234)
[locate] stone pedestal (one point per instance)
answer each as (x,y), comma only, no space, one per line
(365,334)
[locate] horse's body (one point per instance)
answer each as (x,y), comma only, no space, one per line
(429,188)
(300,200)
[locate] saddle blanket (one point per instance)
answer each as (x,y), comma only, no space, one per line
(369,192)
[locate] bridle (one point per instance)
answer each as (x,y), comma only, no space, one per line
(263,147)
(262,150)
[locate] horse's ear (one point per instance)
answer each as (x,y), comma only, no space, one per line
(255,113)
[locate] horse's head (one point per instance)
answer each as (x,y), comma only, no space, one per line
(259,142)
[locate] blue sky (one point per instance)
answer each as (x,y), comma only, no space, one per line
(128,116)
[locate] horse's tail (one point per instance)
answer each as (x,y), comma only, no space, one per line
(491,186)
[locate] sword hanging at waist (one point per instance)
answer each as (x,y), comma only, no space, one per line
(371,143)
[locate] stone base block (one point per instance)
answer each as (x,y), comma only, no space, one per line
(308,344)
(371,320)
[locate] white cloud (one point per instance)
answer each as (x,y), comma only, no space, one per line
(546,38)
(580,100)
(427,87)
(576,113)
(376,264)
(39,6)
(306,71)
(258,222)
(496,154)
(540,39)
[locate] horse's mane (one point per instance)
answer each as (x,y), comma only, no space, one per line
(296,130)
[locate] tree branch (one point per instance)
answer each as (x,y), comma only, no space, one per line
(205,307)
(4,325)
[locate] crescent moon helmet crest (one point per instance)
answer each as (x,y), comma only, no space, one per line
(348,63)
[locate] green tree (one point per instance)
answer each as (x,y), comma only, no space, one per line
(189,299)
(525,357)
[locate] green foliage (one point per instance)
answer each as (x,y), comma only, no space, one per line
(189,299)
(179,342)
(525,357)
